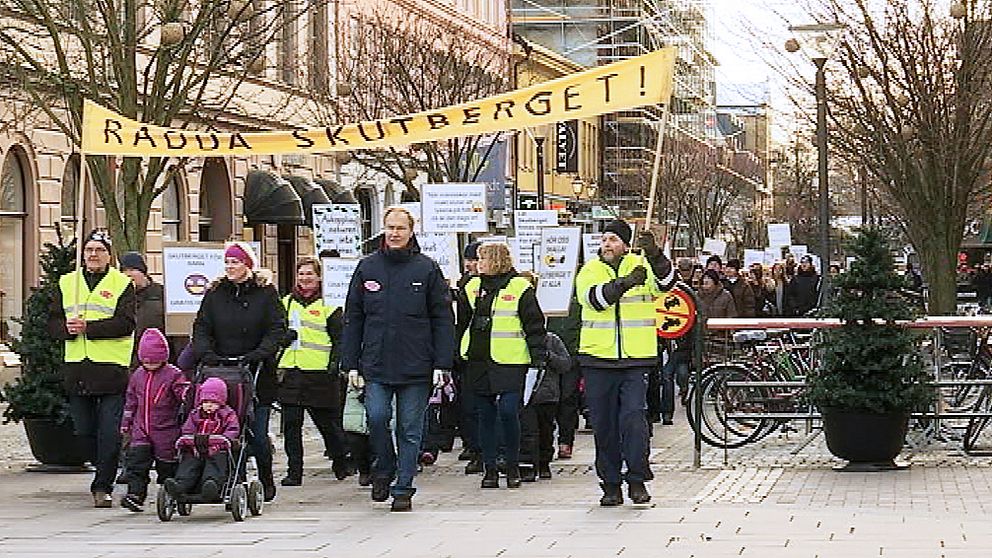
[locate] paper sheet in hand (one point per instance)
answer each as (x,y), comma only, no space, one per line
(531,380)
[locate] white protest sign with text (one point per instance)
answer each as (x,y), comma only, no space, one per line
(714,246)
(454,208)
(338,226)
(779,234)
(528,226)
(557,266)
(590,246)
(442,248)
(753,257)
(335,279)
(188,272)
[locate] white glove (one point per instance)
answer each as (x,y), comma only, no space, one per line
(440,378)
(355,380)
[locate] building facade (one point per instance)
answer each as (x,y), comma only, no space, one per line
(206,202)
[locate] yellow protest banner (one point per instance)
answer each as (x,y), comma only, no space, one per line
(640,81)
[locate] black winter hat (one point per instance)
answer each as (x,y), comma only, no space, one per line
(620,228)
(103,237)
(471,251)
(133,260)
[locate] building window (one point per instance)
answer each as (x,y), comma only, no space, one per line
(172,211)
(70,191)
(12,214)
(287,61)
(365,209)
(319,49)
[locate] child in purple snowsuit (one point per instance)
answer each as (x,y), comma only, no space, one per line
(206,436)
(151,417)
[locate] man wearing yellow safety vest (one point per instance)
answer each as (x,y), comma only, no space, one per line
(310,373)
(618,347)
(93,313)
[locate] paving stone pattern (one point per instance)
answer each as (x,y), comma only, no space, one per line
(763,501)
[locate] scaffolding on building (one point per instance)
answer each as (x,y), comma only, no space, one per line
(597,32)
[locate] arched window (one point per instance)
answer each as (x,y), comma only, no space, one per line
(70,191)
(172,230)
(12,215)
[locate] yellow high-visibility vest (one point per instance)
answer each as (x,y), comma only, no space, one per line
(92,305)
(626,329)
(312,349)
(507,343)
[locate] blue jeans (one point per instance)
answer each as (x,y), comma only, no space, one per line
(499,412)
(617,400)
(397,461)
(259,440)
(97,420)
(675,371)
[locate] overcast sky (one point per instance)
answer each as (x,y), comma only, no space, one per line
(745,36)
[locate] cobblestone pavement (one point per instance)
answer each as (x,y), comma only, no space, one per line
(764,501)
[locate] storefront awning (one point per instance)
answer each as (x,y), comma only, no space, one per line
(310,193)
(331,188)
(271,200)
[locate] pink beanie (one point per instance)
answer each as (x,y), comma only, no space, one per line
(153,347)
(242,252)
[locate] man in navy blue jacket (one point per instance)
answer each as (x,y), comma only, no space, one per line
(399,336)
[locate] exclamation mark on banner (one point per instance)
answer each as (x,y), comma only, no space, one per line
(643,92)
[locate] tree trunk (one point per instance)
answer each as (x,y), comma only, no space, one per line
(939,261)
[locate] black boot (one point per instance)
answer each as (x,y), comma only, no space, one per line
(210,491)
(491,480)
(512,476)
(342,468)
(474,467)
(268,483)
(544,470)
(638,493)
(468,454)
(528,473)
(402,503)
(364,478)
(292,479)
(380,489)
(612,496)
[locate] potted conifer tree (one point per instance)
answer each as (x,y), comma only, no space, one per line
(37,398)
(871,376)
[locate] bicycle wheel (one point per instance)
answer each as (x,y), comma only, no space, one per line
(718,400)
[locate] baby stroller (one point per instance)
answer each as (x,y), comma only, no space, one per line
(242,492)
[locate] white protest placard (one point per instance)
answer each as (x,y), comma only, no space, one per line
(779,234)
(335,279)
(714,246)
(188,271)
(556,267)
(528,226)
(442,248)
(338,226)
(454,207)
(189,267)
(590,246)
(798,250)
(753,257)
(493,239)
(772,255)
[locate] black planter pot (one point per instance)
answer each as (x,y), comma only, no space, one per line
(868,441)
(55,445)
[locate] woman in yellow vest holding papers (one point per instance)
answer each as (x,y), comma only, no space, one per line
(505,336)
(310,373)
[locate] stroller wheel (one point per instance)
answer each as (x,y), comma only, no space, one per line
(239,502)
(164,504)
(256,497)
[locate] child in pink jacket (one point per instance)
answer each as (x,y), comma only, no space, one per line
(203,447)
(151,418)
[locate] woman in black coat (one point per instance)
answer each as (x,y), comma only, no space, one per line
(241,317)
(498,388)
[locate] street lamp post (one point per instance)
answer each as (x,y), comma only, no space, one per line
(819,42)
(539,142)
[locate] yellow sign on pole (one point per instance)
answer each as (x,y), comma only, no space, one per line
(640,81)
